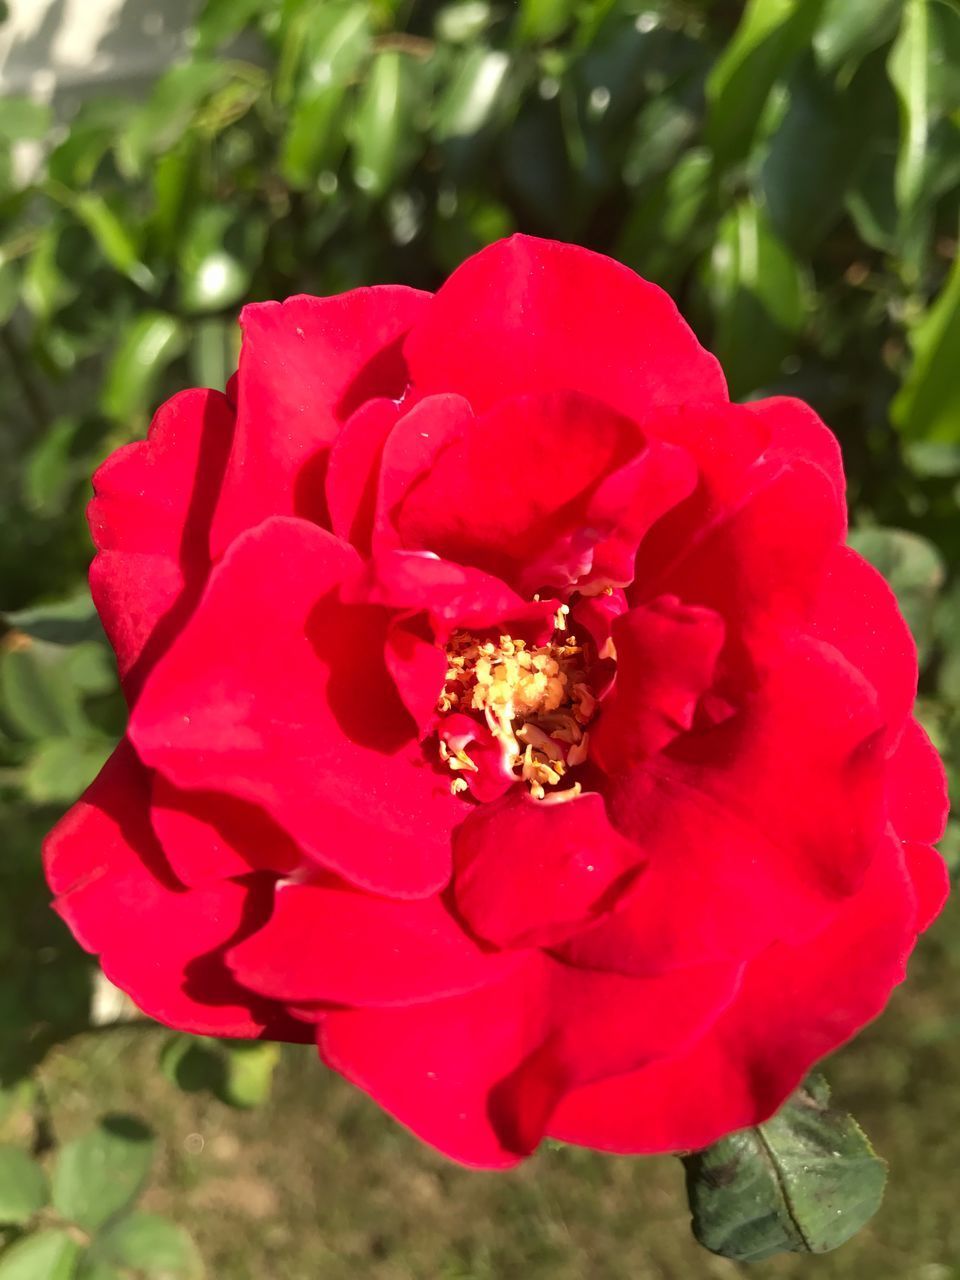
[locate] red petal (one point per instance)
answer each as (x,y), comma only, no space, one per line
(858,613)
(796,1004)
(478,1075)
(759,564)
(161,944)
(931,881)
(277,692)
(207,836)
(797,432)
(150,520)
(917,788)
(306,364)
(329,944)
(353,472)
(528,315)
(452,595)
(755,829)
(529,872)
(666,655)
(543,491)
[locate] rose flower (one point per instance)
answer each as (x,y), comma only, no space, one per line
(507,716)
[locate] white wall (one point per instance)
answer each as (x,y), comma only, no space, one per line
(72,46)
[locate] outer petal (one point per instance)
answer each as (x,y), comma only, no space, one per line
(857,612)
(796,1004)
(276,692)
(917,788)
(528,315)
(797,432)
(306,364)
(158,942)
(759,564)
(150,519)
(324,943)
(666,655)
(478,1075)
(545,490)
(207,836)
(529,872)
(755,830)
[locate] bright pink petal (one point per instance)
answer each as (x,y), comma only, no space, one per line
(353,472)
(550,490)
(150,520)
(207,836)
(529,872)
(305,365)
(277,692)
(331,944)
(754,830)
(160,943)
(528,315)
(666,656)
(796,1004)
(858,613)
(478,1075)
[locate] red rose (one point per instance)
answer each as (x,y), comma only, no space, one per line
(507,715)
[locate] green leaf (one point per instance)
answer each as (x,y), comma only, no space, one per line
(850,29)
(168,113)
(48,1255)
(223,20)
(23,1186)
(816,153)
(152,1247)
(213,353)
(249,1072)
(385,141)
(770,36)
(474,95)
(542,20)
(114,237)
(61,622)
(50,467)
(37,696)
(238,1073)
(927,406)
(338,42)
(219,252)
(923,69)
(24,119)
(151,342)
(463,21)
(660,239)
(759,298)
(804,1182)
(99,1176)
(62,768)
(915,570)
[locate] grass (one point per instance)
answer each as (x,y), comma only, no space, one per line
(318,1183)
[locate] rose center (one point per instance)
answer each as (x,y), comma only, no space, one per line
(534,699)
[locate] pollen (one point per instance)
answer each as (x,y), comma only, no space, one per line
(533,698)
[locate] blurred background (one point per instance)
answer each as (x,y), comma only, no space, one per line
(790,171)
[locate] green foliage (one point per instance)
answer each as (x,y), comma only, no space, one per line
(804,1182)
(789,169)
(91,1229)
